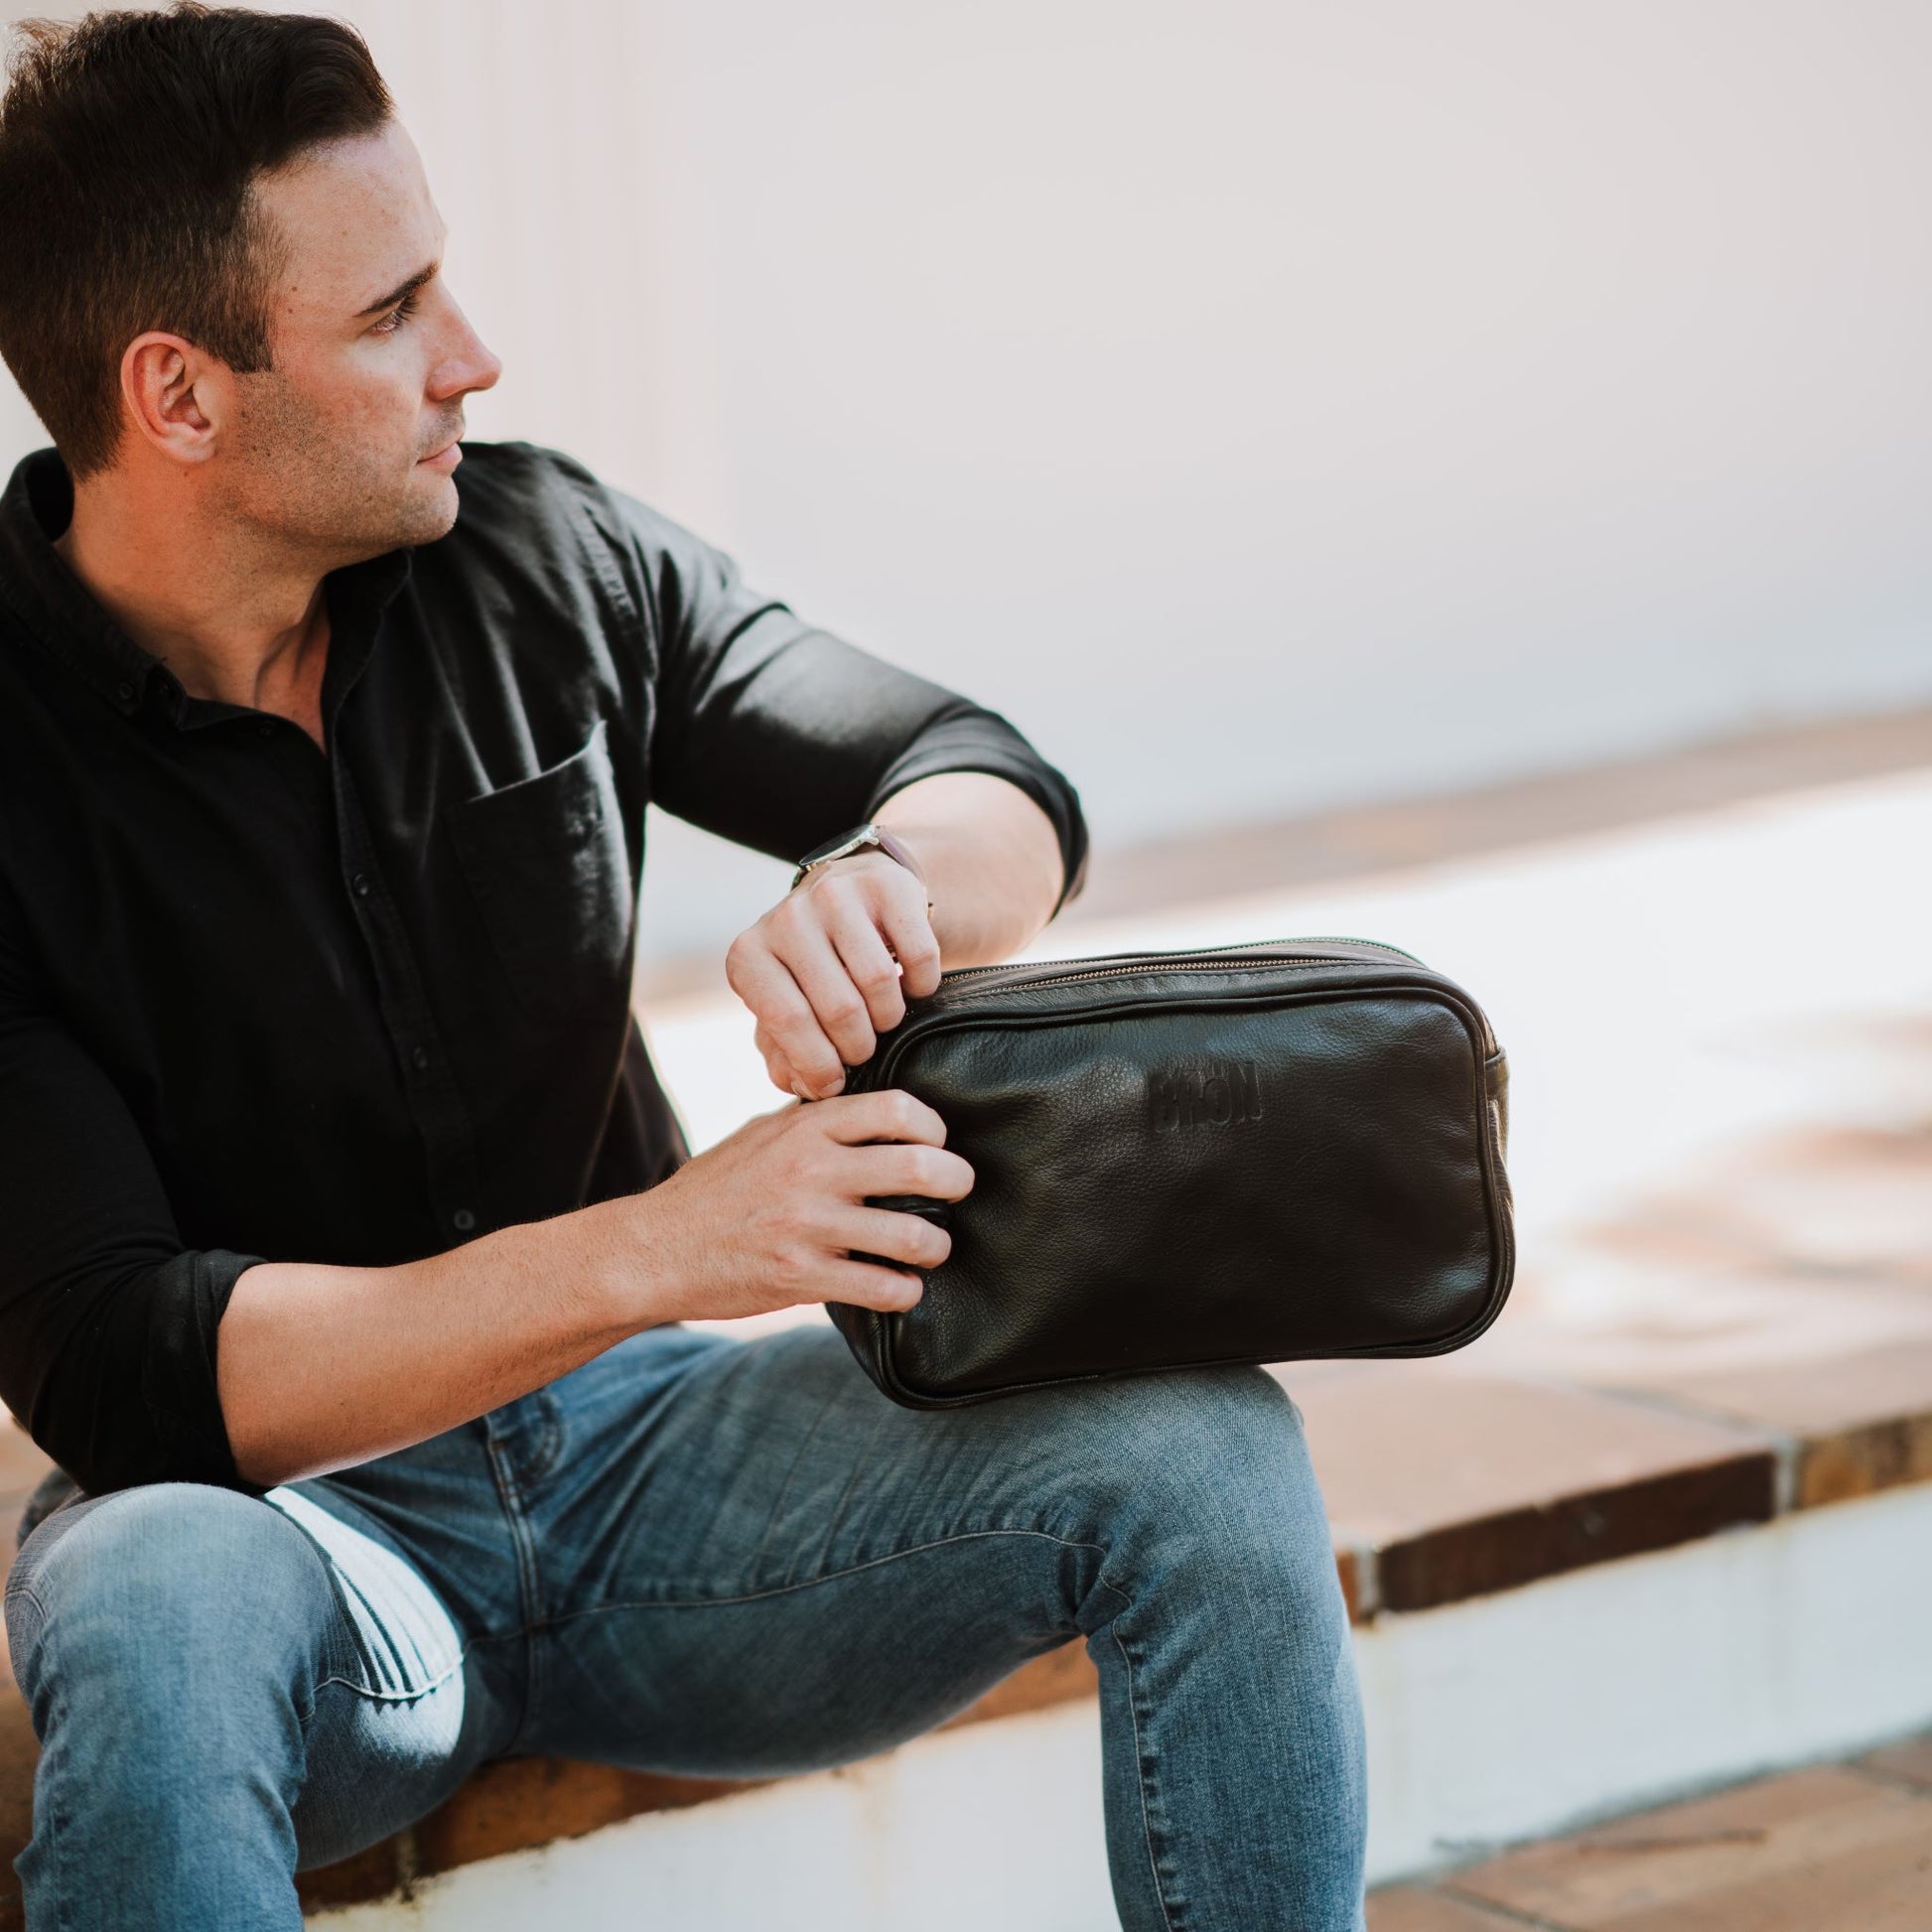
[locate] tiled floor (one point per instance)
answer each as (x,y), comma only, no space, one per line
(1834,1848)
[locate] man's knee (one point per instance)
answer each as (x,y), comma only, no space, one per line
(162,1592)
(1210,1462)
(1185,1426)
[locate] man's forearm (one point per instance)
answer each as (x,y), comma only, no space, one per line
(991,857)
(319,1367)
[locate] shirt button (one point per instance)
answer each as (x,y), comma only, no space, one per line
(124,691)
(265,727)
(464,1220)
(419,1059)
(359,885)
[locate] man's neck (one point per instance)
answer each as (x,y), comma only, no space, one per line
(229,619)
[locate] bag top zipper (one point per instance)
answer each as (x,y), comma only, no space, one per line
(1040,974)
(1260,952)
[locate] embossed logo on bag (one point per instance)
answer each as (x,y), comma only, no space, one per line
(1223,1094)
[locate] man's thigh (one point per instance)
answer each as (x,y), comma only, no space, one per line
(273,1644)
(763,1564)
(408,1701)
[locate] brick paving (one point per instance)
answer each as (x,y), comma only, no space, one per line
(1844,1848)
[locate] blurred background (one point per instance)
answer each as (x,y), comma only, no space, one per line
(1271,407)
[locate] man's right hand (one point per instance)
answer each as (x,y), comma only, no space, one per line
(772,1215)
(767,1219)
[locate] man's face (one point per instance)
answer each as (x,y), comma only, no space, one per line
(346,447)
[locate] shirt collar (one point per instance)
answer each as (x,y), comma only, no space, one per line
(64,621)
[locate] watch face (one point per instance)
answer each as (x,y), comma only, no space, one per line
(837,848)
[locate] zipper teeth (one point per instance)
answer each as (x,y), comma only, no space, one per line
(1206,954)
(1169,966)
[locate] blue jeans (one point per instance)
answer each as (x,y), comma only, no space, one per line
(711,1557)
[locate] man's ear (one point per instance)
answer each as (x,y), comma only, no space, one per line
(173,396)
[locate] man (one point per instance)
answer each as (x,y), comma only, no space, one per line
(347,1232)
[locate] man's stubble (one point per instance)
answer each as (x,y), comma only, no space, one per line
(330,489)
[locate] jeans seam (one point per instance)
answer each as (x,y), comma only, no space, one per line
(1139,1760)
(549,1443)
(55,1825)
(23,1589)
(509,1496)
(812,1583)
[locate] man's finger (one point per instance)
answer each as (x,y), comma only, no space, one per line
(895,1236)
(870,1285)
(871,968)
(838,1011)
(765,983)
(889,1115)
(908,927)
(911,1167)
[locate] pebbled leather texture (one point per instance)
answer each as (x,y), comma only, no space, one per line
(1243,1155)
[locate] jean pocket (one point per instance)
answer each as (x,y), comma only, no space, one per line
(546,860)
(394,1639)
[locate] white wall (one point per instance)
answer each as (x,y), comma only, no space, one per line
(1267,404)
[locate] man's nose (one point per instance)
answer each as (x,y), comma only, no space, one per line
(470,364)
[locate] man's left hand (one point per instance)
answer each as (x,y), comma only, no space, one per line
(827,970)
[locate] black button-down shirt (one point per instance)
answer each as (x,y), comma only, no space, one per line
(262,1001)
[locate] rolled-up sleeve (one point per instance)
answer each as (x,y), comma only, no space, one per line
(777,735)
(107,1322)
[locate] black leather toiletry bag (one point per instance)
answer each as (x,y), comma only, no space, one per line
(1250,1153)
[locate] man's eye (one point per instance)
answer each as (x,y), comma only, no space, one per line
(396,315)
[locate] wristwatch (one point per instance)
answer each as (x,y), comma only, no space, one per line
(867,837)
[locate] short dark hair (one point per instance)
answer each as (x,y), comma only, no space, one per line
(129,147)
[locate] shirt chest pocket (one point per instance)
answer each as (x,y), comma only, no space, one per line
(546,860)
